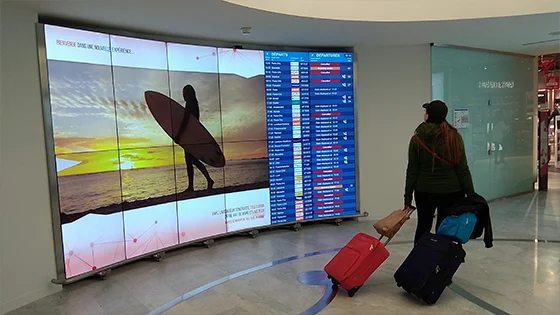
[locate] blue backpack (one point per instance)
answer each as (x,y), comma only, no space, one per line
(459,228)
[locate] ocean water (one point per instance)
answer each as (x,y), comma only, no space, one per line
(82,193)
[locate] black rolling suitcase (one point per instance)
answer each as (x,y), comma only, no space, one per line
(430,266)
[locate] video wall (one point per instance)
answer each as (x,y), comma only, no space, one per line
(159,144)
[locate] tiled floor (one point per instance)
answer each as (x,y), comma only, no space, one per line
(518,277)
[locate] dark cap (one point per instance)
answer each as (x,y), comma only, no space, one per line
(437,111)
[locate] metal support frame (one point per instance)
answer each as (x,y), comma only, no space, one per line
(49,146)
(103,272)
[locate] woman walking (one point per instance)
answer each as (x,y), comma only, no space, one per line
(438,174)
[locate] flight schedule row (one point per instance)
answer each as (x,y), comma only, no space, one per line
(310,122)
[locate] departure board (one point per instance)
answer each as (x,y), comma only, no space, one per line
(310,123)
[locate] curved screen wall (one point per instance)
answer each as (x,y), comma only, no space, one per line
(159,144)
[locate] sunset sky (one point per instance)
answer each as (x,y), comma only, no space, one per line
(105,161)
(87,118)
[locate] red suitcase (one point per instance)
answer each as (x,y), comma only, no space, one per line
(355,263)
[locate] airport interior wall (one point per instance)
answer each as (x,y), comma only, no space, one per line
(27,252)
(392,83)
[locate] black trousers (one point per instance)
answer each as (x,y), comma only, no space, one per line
(426,205)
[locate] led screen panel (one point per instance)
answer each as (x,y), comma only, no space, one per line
(146,152)
(199,154)
(310,121)
(90,210)
(242,94)
(140,66)
(159,144)
(331,94)
(86,148)
(193,74)
(81,90)
(247,185)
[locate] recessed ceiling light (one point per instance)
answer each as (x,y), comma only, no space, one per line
(246,30)
(557,33)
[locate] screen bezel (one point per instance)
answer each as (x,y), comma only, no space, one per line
(50,148)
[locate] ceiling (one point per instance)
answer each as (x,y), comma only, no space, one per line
(403,10)
(220,20)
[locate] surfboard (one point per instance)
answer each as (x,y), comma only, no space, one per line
(195,139)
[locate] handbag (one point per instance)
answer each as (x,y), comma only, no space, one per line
(390,225)
(459,228)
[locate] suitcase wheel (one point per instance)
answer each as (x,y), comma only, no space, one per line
(407,291)
(353,291)
(334,282)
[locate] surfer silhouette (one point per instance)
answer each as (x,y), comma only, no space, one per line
(191,108)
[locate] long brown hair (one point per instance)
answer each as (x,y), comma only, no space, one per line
(451,140)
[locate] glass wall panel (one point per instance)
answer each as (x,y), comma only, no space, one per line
(511,133)
(490,102)
(456,76)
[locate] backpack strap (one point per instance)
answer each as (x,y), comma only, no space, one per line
(439,158)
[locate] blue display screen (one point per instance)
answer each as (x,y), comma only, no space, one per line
(310,123)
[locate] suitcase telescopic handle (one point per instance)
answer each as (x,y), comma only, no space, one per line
(386,242)
(410,210)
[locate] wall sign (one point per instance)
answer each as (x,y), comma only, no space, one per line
(461,118)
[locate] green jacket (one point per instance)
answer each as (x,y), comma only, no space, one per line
(429,175)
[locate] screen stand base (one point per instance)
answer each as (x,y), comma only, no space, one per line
(338,222)
(208,243)
(296,227)
(102,275)
(253,233)
(158,256)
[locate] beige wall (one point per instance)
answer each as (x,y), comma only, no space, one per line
(27,250)
(393,83)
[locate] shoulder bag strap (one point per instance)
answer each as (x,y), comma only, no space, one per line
(417,138)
